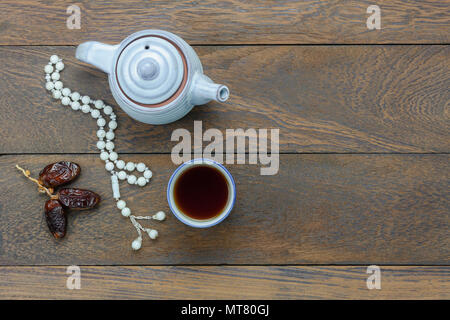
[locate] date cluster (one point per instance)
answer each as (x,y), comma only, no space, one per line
(55,175)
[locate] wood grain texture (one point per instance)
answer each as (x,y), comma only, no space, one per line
(228,22)
(326,209)
(322,98)
(226,282)
(319,209)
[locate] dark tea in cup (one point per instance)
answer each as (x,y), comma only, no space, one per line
(201,193)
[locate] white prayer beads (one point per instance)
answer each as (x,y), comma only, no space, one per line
(78,102)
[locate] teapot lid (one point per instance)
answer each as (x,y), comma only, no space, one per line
(150,70)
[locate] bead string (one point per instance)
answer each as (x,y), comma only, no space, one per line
(78,102)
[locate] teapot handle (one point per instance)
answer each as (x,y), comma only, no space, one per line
(98,54)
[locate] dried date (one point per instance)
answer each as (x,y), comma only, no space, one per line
(54,175)
(59,173)
(56,218)
(75,198)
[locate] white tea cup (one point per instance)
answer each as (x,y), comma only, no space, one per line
(201,223)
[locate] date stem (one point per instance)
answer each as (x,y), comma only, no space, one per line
(41,188)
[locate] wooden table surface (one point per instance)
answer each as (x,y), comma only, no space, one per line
(364,174)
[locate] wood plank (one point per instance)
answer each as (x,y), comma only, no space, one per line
(226,282)
(322,98)
(29,22)
(319,209)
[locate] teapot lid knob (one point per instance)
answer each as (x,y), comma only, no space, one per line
(150,70)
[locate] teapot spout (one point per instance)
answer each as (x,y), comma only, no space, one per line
(98,54)
(206,90)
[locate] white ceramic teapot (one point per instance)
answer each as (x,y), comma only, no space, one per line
(154,75)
